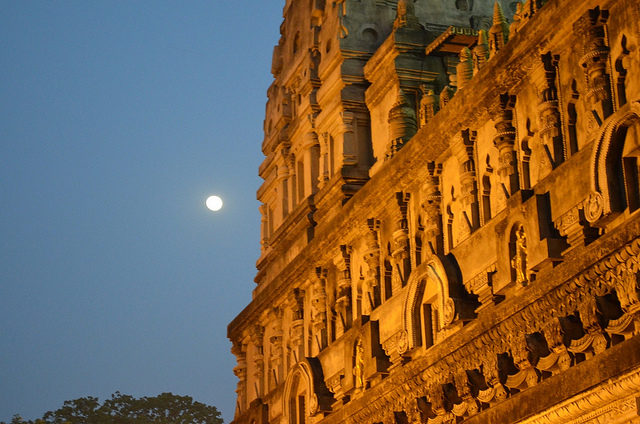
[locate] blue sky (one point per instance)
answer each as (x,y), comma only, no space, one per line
(117,119)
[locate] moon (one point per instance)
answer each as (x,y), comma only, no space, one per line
(214,203)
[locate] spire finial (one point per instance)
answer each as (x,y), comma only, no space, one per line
(498,14)
(499,31)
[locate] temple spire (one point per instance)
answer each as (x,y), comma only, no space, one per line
(499,31)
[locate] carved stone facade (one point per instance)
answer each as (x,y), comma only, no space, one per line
(450,216)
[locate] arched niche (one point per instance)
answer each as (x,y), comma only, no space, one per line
(435,298)
(614,165)
(305,393)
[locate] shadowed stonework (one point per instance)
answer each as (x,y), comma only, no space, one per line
(450,225)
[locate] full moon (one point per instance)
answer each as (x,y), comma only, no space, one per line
(214,203)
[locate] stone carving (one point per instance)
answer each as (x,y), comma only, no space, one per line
(591,29)
(358,366)
(372,259)
(549,113)
(428,105)
(296,331)
(394,347)
(319,302)
(519,258)
(465,369)
(240,371)
(504,141)
(401,248)
(276,347)
(432,204)
(594,207)
(343,296)
(464,151)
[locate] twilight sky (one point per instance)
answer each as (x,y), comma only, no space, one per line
(117,119)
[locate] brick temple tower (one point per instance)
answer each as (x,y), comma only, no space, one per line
(450,227)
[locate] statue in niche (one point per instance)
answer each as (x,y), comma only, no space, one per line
(519,260)
(358,366)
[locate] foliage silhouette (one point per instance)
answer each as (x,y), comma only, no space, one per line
(165,408)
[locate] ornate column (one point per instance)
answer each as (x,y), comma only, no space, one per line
(349,148)
(240,352)
(257,335)
(323,171)
(549,119)
(264,227)
(282,182)
(372,259)
(319,308)
(343,296)
(401,246)
(591,29)
(432,206)
(296,331)
(311,163)
(505,142)
(277,349)
(464,151)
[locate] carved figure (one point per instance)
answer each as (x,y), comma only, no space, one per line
(358,366)
(519,260)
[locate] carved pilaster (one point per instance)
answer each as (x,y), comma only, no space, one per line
(324,169)
(591,28)
(505,142)
(276,347)
(464,151)
(240,370)
(549,118)
(296,331)
(319,308)
(432,206)
(343,295)
(257,338)
(372,259)
(401,247)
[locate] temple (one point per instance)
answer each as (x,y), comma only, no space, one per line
(450,216)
